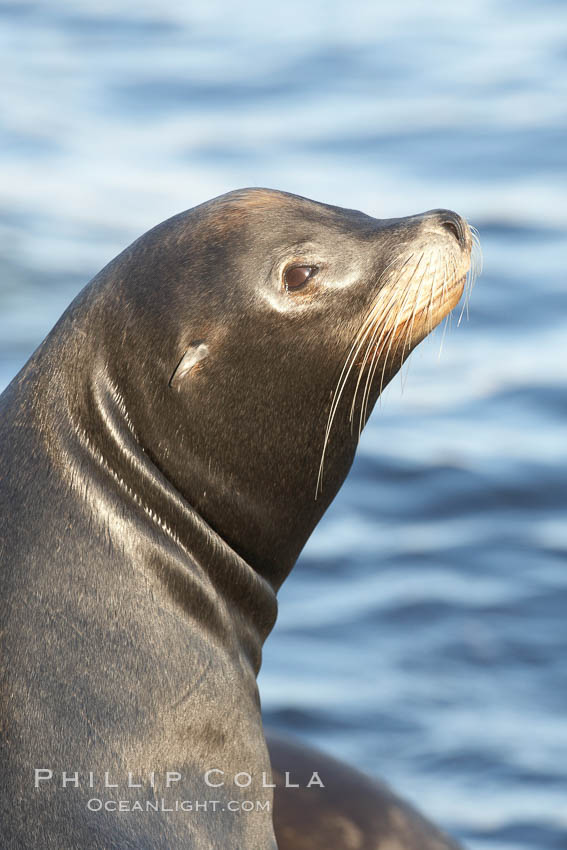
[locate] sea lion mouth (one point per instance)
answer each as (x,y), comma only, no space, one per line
(425,292)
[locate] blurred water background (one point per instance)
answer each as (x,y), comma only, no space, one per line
(423,633)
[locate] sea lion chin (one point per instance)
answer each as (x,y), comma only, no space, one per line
(166,453)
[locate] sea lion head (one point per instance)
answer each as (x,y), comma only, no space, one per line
(247,341)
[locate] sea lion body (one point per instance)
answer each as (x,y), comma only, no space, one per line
(165,454)
(351,810)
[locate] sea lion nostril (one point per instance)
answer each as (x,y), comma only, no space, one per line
(450,221)
(453,228)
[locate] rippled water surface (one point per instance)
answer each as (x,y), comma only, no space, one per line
(423,633)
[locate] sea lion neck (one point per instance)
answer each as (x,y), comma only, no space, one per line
(82,418)
(232,535)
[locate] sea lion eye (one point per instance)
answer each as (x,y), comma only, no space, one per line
(297,276)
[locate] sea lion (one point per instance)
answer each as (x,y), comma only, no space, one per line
(165,454)
(350,810)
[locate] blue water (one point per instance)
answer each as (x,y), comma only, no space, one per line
(423,633)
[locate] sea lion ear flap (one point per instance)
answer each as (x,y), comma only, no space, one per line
(197,352)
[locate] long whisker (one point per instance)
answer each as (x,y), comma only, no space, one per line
(446,322)
(383,315)
(410,324)
(473,273)
(378,349)
(390,345)
(372,350)
(346,370)
(391,337)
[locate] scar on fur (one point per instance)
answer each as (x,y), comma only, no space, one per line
(194,354)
